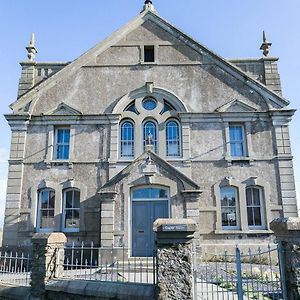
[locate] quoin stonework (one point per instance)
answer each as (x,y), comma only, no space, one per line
(149,124)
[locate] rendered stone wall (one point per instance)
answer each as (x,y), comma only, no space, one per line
(175,272)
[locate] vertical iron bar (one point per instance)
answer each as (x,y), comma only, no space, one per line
(123,254)
(239,273)
(280,250)
(271,269)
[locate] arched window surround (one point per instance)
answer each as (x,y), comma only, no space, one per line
(161,96)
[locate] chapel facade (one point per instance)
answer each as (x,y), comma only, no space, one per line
(149,124)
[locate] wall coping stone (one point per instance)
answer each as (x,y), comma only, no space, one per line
(109,290)
(49,238)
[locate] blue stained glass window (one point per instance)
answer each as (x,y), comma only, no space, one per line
(149,104)
(62,144)
(127,139)
(150,135)
(172,139)
(237,140)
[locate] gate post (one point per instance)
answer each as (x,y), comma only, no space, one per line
(47,249)
(287,232)
(174,258)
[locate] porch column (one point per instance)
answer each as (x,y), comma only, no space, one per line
(107,218)
(174,258)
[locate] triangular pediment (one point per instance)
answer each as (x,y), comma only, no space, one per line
(236,106)
(63,109)
(149,165)
(197,52)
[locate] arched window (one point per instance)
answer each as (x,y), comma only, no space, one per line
(150,134)
(71,208)
(127,139)
(229,207)
(172,139)
(46,207)
(255,208)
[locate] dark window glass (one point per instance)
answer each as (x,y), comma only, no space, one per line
(149,54)
(254,207)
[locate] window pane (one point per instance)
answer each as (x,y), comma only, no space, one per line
(44,199)
(250,216)
(60,136)
(150,193)
(254,206)
(257,216)
(236,137)
(52,199)
(172,139)
(256,200)
(150,134)
(141,193)
(62,143)
(69,199)
(127,139)
(76,200)
(229,207)
(66,136)
(248,197)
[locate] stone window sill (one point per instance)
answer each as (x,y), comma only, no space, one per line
(252,231)
(240,159)
(59,162)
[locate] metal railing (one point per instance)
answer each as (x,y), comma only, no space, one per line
(240,276)
(87,262)
(15,268)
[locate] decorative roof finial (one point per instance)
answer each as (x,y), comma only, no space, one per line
(148,6)
(31,49)
(266,45)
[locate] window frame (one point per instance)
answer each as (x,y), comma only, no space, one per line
(144,137)
(121,141)
(39,210)
(144,54)
(179,142)
(56,144)
(64,209)
(242,142)
(261,206)
(237,209)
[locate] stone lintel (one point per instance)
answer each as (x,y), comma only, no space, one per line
(49,238)
(174,231)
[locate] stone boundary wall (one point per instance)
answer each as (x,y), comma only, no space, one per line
(82,290)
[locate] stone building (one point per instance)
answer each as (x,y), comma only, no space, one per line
(149,123)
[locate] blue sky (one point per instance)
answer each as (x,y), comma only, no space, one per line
(64,29)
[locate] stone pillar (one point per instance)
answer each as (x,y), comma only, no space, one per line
(287,231)
(13,216)
(47,263)
(174,258)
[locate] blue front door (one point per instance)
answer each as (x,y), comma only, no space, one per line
(147,205)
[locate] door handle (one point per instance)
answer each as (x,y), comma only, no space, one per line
(141,231)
